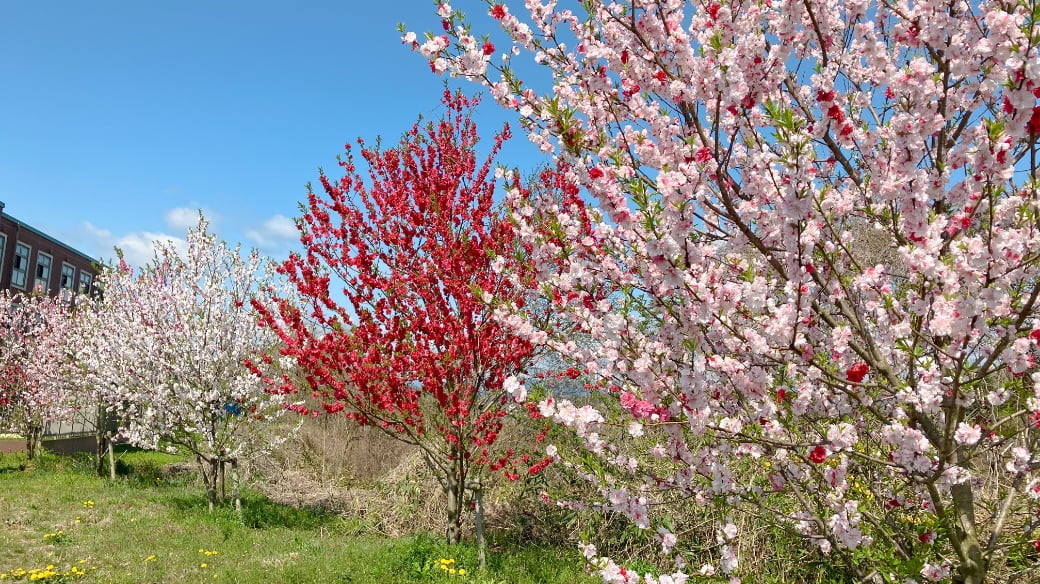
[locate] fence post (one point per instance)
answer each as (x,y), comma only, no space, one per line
(478,498)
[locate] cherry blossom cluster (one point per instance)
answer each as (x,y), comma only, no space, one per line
(812,238)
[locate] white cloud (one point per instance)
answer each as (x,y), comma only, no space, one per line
(138,246)
(180,219)
(276,234)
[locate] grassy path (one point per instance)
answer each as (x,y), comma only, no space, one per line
(145,528)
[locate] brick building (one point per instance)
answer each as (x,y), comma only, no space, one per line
(31,259)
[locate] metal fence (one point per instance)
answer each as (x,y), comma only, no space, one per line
(67,429)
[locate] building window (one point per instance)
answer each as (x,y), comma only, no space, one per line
(20,267)
(84,282)
(3,248)
(68,281)
(68,276)
(43,272)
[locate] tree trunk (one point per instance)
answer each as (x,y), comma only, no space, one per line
(33,441)
(103,439)
(972,569)
(455,491)
(100,450)
(208,468)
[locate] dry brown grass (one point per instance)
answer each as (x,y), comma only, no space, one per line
(383,484)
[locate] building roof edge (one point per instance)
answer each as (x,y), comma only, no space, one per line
(23,224)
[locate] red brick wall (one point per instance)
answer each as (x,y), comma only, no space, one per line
(18,231)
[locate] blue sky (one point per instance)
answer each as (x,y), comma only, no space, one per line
(119,119)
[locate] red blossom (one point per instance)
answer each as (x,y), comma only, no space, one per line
(818,454)
(835,113)
(539,466)
(1033,125)
(595,173)
(489,48)
(498,11)
(826,96)
(857,372)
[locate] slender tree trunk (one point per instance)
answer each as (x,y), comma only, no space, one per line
(103,438)
(33,441)
(208,469)
(100,450)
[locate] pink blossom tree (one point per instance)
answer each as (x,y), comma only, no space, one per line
(822,219)
(172,343)
(34,336)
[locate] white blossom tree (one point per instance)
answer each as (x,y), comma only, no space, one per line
(741,154)
(177,344)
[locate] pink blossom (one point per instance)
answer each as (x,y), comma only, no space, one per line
(967,434)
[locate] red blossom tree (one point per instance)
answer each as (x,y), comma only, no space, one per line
(422,253)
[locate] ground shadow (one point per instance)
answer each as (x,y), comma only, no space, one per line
(258,511)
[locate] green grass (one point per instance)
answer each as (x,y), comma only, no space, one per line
(147,527)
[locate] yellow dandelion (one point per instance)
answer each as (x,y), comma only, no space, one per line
(203,565)
(150,558)
(462,571)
